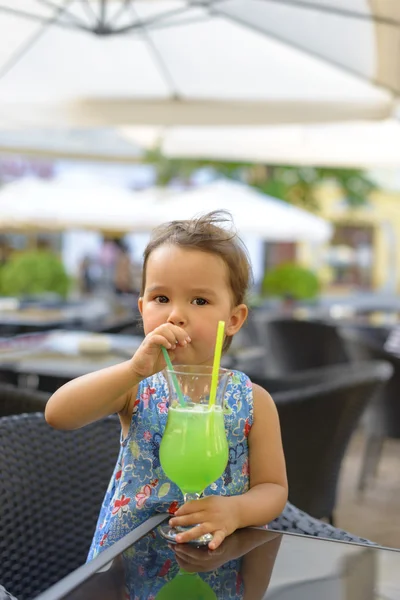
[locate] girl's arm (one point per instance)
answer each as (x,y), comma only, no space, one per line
(268,481)
(92,397)
(112,390)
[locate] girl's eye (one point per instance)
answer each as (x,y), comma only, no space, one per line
(199,302)
(161,299)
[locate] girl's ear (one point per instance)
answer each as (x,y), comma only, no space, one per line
(238,317)
(140,305)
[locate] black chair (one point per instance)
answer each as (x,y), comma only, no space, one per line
(249,360)
(376,335)
(135,329)
(388,407)
(248,334)
(382,419)
(51,487)
(319,410)
(293,345)
(14,400)
(5,595)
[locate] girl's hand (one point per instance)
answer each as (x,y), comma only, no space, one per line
(148,358)
(218,515)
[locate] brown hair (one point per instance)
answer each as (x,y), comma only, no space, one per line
(205,233)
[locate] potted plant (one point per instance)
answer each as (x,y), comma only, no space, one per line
(290,282)
(34,273)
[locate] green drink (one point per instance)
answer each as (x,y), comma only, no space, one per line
(194,449)
(188,586)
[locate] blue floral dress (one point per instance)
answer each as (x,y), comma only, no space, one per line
(139,488)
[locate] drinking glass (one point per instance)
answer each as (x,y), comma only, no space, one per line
(194,448)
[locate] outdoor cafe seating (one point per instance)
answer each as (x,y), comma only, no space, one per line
(320,405)
(45,537)
(319,410)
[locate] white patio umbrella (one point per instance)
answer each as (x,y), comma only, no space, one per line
(350,144)
(253,212)
(59,205)
(180,62)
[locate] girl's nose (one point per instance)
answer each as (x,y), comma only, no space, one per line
(176,317)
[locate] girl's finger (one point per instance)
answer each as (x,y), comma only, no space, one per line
(195,532)
(160,340)
(185,520)
(190,507)
(154,339)
(177,333)
(218,538)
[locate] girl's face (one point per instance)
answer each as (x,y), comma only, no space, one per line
(190,288)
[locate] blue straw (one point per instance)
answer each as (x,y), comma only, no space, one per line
(174,378)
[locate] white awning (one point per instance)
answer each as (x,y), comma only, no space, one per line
(351,144)
(253,212)
(74,204)
(58,205)
(176,62)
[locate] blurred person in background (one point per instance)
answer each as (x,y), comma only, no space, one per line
(108,259)
(90,274)
(123,270)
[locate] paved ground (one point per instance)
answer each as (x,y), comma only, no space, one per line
(376,513)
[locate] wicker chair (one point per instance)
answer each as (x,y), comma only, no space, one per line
(294,520)
(249,360)
(51,488)
(47,520)
(382,419)
(319,410)
(14,400)
(293,345)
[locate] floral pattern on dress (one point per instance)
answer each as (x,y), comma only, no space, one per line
(139,488)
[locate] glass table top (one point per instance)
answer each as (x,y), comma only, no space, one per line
(252,564)
(66,353)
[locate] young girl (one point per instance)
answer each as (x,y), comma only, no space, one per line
(195,274)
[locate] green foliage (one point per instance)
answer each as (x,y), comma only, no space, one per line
(170,169)
(34,272)
(295,184)
(291,281)
(298,185)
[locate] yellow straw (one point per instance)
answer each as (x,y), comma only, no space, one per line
(217,360)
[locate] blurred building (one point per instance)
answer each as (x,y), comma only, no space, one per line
(364,252)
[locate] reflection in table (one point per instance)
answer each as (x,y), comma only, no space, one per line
(252,564)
